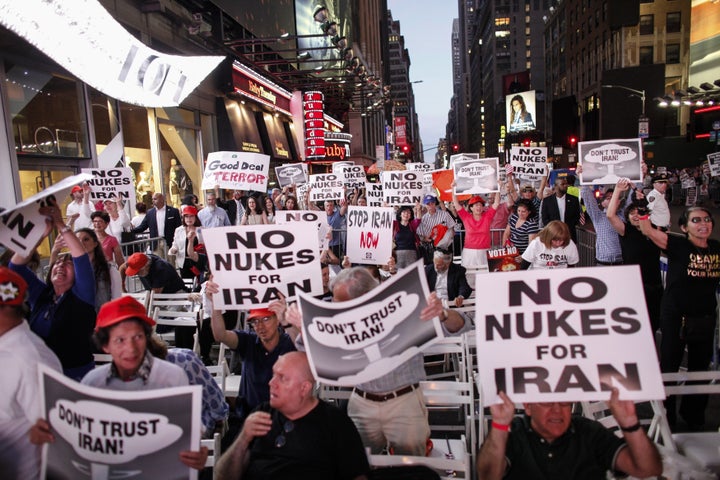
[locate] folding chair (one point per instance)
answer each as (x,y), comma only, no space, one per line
(213,445)
(174,318)
(142,297)
(452,364)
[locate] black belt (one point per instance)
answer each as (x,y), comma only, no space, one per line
(609,264)
(375,397)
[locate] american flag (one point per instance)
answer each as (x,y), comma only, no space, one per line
(508,168)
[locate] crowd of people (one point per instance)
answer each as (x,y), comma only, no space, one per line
(79,310)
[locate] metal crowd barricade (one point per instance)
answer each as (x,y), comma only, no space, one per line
(144,245)
(586,247)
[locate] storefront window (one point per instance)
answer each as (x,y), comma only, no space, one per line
(138,156)
(48,114)
(180,156)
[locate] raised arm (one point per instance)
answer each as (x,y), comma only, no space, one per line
(657,236)
(621,186)
(220,333)
(491,462)
(455,201)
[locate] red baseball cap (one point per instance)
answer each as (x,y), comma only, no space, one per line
(189,210)
(76,188)
(136,262)
(12,287)
(119,310)
(260,313)
(475,200)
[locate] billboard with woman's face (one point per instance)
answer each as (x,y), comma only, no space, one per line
(520,111)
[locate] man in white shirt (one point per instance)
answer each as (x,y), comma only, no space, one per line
(657,204)
(79,209)
(21,351)
(213,216)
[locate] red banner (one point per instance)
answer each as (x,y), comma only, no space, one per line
(314,125)
(400,135)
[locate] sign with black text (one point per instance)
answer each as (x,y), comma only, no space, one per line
(325,186)
(713,160)
(352,176)
(252,264)
(566,335)
(604,162)
(369,234)
(105,434)
(365,338)
(529,163)
(290,174)
(316,217)
(110,183)
(476,176)
(236,171)
(402,187)
(374,194)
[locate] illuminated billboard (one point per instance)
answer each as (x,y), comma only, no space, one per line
(520,111)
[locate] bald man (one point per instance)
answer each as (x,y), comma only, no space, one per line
(296,435)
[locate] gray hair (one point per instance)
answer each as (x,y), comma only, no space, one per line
(358,280)
(440,254)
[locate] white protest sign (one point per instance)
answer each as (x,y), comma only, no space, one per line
(337,166)
(236,171)
(428,182)
(110,183)
(476,176)
(566,335)
(301,191)
(402,187)
(604,162)
(290,174)
(325,186)
(714,163)
(374,194)
(352,176)
(362,339)
(253,263)
(108,433)
(419,167)
(319,218)
(529,163)
(369,234)
(22,226)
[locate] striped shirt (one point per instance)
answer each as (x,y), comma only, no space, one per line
(428,221)
(607,241)
(520,236)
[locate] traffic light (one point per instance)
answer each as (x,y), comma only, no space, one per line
(406,149)
(573,141)
(455,148)
(526,142)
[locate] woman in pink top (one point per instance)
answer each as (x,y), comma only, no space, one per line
(477,232)
(110,245)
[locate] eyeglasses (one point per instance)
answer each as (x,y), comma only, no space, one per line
(701,219)
(526,190)
(288,427)
(255,321)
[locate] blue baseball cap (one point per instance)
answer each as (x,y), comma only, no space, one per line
(429,198)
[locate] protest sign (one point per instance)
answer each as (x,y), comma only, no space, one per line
(476,176)
(252,264)
(419,166)
(362,339)
(442,181)
(369,234)
(301,191)
(504,259)
(529,163)
(236,171)
(22,226)
(713,160)
(290,174)
(110,183)
(318,218)
(402,187)
(566,335)
(374,194)
(352,176)
(604,162)
(104,434)
(325,186)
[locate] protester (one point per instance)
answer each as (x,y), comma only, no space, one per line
(405,237)
(637,249)
(259,349)
(109,244)
(561,206)
(254,213)
(161,220)
(295,435)
(78,210)
(235,207)
(552,248)
(62,309)
(436,229)
(212,215)
(687,313)
(107,277)
(336,220)
(447,280)
(141,210)
(189,258)
(607,241)
(269,209)
(21,352)
(477,231)
(549,442)
(522,226)
(124,331)
(119,220)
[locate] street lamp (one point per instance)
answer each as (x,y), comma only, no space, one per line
(643,122)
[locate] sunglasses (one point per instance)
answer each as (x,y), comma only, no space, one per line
(701,219)
(288,427)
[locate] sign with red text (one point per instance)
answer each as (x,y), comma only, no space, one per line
(254,264)
(365,338)
(22,226)
(236,171)
(369,234)
(106,434)
(566,335)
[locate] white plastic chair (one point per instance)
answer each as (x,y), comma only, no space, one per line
(214,449)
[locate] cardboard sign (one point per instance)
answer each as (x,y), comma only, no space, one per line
(419,166)
(529,163)
(22,226)
(365,338)
(374,194)
(566,335)
(318,218)
(402,187)
(504,259)
(476,176)
(290,174)
(236,171)
(604,162)
(252,263)
(713,160)
(110,183)
(369,234)
(102,433)
(325,186)
(352,176)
